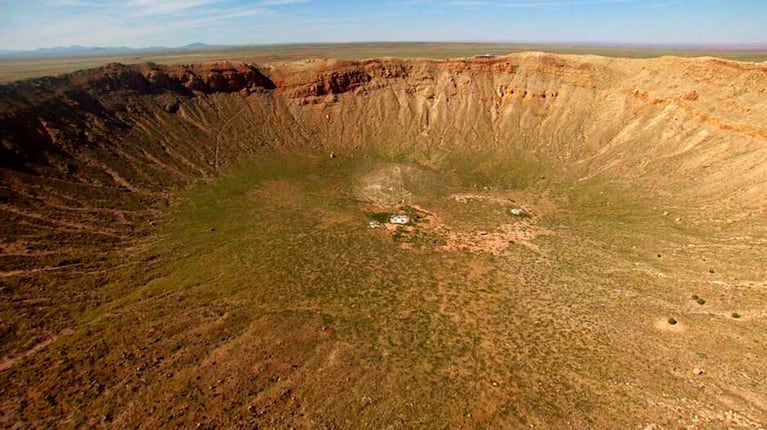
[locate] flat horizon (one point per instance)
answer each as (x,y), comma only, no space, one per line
(146,23)
(755,46)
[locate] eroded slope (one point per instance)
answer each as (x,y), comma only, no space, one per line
(89,160)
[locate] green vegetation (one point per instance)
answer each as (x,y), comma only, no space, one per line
(290,245)
(293,307)
(382,217)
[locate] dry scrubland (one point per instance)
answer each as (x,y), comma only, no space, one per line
(177,248)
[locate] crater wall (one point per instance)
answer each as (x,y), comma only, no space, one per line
(89,157)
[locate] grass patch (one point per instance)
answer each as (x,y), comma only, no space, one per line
(294,297)
(382,217)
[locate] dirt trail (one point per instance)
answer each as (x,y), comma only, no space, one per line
(8,362)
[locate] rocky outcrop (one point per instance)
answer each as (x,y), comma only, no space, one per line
(214,78)
(329,83)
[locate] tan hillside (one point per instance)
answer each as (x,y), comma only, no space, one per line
(645,181)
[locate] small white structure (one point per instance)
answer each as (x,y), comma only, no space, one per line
(518,212)
(399,219)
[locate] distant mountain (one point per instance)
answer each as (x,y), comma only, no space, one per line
(198,45)
(77,50)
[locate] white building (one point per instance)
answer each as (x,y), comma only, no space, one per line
(399,219)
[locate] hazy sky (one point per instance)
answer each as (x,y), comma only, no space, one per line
(26,24)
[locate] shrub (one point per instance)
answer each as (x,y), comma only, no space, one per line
(381,217)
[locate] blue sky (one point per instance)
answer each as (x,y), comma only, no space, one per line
(28,24)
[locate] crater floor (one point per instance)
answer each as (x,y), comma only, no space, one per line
(179,249)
